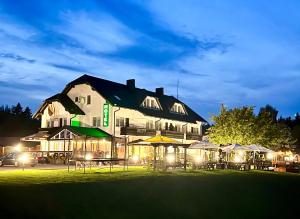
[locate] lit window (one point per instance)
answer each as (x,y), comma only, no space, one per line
(120,121)
(149,125)
(150,102)
(178,108)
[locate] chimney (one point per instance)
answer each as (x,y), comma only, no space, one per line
(159,91)
(130,83)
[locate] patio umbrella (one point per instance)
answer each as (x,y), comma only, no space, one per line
(259,148)
(162,140)
(235,147)
(204,145)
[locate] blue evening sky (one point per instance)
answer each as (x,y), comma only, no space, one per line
(234,52)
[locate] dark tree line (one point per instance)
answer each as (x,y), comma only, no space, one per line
(294,125)
(16,121)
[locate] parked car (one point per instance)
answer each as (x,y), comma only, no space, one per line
(19,158)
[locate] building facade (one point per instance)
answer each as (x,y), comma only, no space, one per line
(122,111)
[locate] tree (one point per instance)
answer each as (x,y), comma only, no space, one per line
(27,113)
(271,111)
(242,126)
(14,122)
(17,110)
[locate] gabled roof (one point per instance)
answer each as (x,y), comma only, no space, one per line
(67,103)
(124,96)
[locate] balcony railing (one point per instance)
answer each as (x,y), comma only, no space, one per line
(137,131)
(172,134)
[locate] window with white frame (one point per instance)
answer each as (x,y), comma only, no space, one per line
(195,130)
(150,125)
(178,108)
(151,102)
(120,121)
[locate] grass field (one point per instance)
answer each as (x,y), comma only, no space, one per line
(142,194)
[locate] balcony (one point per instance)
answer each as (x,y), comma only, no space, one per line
(172,134)
(193,136)
(137,131)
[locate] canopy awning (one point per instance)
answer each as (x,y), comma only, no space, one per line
(73,132)
(89,132)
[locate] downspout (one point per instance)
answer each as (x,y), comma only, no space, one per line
(156,122)
(185,131)
(72,118)
(114,136)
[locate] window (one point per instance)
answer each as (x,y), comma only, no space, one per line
(76,99)
(149,125)
(65,121)
(88,99)
(120,122)
(177,127)
(178,108)
(195,130)
(96,121)
(158,126)
(150,102)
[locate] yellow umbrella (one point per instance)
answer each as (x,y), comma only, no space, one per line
(158,139)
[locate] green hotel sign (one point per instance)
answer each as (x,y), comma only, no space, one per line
(105,115)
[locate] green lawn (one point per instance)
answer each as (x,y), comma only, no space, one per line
(143,194)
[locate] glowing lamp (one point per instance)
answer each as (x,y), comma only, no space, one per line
(198,159)
(241,153)
(270,156)
(24,158)
(170,159)
(135,158)
(18,148)
(89,157)
(237,159)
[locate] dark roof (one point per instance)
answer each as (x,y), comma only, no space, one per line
(132,98)
(67,103)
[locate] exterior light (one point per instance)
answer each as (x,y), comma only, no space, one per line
(170,159)
(24,158)
(135,158)
(18,148)
(270,156)
(89,157)
(241,153)
(237,159)
(198,159)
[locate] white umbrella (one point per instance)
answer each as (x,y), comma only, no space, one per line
(235,147)
(204,145)
(259,148)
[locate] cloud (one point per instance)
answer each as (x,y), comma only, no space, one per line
(221,52)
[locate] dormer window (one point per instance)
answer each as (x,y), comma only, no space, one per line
(151,102)
(178,108)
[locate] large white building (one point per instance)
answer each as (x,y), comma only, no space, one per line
(100,113)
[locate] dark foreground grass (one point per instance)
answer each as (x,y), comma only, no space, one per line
(144,194)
